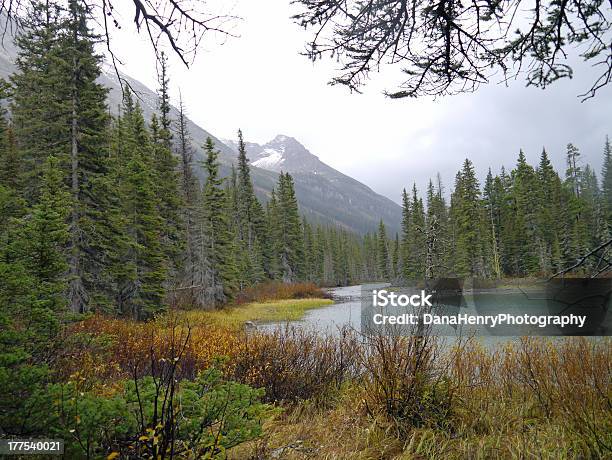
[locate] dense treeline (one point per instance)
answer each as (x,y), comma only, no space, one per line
(526,222)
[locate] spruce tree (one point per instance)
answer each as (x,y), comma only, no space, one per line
(468,223)
(168,175)
(524,195)
(417,244)
(141,268)
(406,239)
(249,217)
(41,91)
(42,238)
(189,190)
(218,266)
(290,237)
(32,287)
(606,184)
(56,91)
(395,255)
(383,252)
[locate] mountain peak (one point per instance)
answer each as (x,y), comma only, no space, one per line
(282,138)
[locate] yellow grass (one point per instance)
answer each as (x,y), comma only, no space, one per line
(235,317)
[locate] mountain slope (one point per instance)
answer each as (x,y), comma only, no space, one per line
(324,194)
(322,188)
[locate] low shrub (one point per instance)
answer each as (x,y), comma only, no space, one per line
(156,417)
(275,290)
(294,364)
(405,382)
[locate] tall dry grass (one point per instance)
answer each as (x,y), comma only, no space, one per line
(390,396)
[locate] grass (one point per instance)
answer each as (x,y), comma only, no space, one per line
(384,398)
(274,311)
(532,399)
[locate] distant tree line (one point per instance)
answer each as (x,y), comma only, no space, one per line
(525,222)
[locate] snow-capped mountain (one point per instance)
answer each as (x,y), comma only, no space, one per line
(283,153)
(322,187)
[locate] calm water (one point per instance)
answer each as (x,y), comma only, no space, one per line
(346,312)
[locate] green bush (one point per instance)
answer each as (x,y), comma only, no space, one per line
(152,417)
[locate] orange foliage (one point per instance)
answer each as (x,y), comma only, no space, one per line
(275,290)
(129,344)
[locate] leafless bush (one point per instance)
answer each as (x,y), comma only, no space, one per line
(294,364)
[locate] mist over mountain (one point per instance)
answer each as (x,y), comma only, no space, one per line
(324,194)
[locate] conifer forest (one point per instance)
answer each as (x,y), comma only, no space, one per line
(135,271)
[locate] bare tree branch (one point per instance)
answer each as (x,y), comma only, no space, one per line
(181,24)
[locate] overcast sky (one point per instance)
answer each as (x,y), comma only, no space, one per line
(260,83)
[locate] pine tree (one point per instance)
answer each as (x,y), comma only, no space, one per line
(383,252)
(468,223)
(606,184)
(290,234)
(189,190)
(75,123)
(218,269)
(406,240)
(141,269)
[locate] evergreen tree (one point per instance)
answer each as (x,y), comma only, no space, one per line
(436,225)
(249,218)
(164,103)
(606,184)
(548,215)
(189,191)
(141,267)
(524,195)
(59,109)
(32,296)
(383,252)
(41,91)
(576,233)
(406,240)
(42,237)
(395,252)
(218,271)
(290,235)
(418,242)
(467,219)
(168,180)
